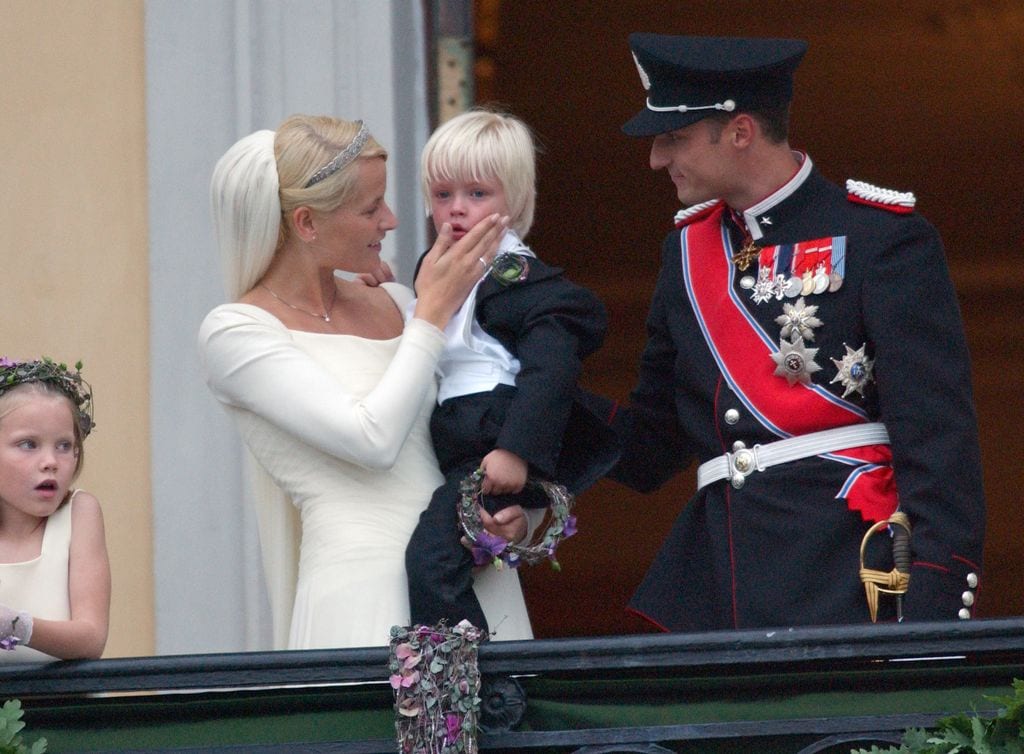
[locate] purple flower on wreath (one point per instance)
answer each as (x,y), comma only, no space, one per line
(453,727)
(488,547)
(570,527)
(5,362)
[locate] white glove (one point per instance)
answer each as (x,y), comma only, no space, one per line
(15,627)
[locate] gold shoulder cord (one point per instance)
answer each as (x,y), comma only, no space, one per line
(895,581)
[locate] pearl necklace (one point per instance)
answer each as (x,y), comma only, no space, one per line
(326,316)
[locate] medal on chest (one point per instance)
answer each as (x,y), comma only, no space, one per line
(801,271)
(806,268)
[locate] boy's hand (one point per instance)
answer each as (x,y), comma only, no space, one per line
(509,523)
(504,473)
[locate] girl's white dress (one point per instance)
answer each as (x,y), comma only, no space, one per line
(340,424)
(39,586)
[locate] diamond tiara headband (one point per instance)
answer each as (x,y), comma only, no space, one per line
(14,373)
(343,158)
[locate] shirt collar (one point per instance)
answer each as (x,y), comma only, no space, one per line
(755,216)
(511,243)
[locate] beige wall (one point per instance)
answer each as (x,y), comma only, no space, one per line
(73,251)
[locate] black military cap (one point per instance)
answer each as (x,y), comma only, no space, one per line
(689,78)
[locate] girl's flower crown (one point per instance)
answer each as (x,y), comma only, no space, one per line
(14,373)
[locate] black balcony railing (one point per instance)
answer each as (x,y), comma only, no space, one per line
(785,690)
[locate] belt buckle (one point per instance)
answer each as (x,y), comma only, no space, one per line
(743,462)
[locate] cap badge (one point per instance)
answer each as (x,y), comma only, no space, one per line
(644,78)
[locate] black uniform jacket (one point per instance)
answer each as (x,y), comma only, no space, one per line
(550,325)
(783,550)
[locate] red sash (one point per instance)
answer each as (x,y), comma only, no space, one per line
(743,352)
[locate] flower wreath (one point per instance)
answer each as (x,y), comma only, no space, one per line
(488,548)
(14,373)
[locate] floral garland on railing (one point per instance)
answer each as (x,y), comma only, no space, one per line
(488,548)
(436,682)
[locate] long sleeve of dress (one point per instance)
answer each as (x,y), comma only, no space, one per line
(252,362)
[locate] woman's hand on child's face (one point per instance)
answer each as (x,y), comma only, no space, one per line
(450,270)
(504,473)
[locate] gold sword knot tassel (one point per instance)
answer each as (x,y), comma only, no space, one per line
(897,580)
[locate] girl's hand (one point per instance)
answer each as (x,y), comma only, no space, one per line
(15,627)
(450,270)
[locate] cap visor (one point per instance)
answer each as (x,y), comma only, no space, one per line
(649,123)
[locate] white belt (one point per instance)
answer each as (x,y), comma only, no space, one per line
(743,461)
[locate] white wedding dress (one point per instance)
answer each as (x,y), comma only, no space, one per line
(340,423)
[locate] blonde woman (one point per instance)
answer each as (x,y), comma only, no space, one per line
(330,391)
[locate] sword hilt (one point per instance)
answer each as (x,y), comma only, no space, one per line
(900,542)
(896,581)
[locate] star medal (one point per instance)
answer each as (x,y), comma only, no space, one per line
(766,288)
(855,371)
(795,362)
(798,320)
(746,255)
(509,268)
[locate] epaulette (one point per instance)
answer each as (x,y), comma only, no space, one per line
(695,212)
(901,202)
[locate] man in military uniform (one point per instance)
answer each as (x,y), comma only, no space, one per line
(806,348)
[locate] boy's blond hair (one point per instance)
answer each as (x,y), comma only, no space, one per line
(485,145)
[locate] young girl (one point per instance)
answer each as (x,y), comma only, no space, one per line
(511,361)
(54,572)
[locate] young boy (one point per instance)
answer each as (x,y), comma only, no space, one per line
(510,366)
